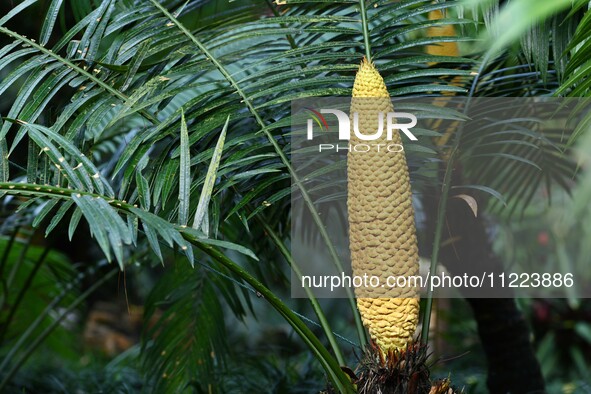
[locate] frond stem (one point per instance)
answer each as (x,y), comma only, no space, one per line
(280,153)
(365,27)
(330,365)
(75,67)
(313,300)
(442,207)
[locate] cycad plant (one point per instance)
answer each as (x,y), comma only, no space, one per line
(164,125)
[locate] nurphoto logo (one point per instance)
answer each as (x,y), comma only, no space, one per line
(344,130)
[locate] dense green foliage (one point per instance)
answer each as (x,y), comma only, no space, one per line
(161,129)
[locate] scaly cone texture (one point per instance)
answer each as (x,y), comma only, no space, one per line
(381,219)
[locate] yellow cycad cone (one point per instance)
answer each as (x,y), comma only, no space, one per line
(442,48)
(381,220)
